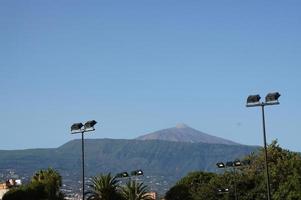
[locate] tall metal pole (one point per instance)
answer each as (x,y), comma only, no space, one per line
(266,154)
(80,128)
(136,189)
(235,184)
(83,165)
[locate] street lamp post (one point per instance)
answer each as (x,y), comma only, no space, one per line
(135,173)
(253,101)
(80,128)
(232,164)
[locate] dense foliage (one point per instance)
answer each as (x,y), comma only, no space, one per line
(103,187)
(135,191)
(285,176)
(106,187)
(44,185)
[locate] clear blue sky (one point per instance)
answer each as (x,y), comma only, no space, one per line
(140,66)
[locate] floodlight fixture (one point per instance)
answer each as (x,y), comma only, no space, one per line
(90,124)
(272,98)
(125,174)
(220,165)
(253,100)
(237,163)
(122,175)
(76,127)
(223,190)
(138,172)
(80,128)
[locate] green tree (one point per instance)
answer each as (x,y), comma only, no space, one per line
(103,187)
(44,185)
(200,185)
(178,192)
(284,171)
(196,185)
(52,182)
(285,178)
(135,191)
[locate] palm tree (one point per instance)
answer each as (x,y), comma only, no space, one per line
(135,191)
(51,181)
(103,187)
(46,175)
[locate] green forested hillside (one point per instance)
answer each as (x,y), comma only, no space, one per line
(157,158)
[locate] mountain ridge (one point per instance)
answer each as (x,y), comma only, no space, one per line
(183,133)
(163,162)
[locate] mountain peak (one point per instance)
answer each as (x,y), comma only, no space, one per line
(183,133)
(182,125)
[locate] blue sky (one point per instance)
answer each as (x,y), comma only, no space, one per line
(140,66)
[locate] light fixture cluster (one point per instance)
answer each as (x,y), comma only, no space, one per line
(235,163)
(80,128)
(223,190)
(270,99)
(138,172)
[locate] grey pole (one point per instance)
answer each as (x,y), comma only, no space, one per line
(80,128)
(266,154)
(83,165)
(235,184)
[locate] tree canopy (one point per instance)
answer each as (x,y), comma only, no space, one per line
(103,187)
(106,187)
(250,180)
(44,185)
(133,190)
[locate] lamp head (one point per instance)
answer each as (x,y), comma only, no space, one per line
(76,127)
(137,173)
(122,175)
(125,174)
(237,163)
(253,100)
(272,98)
(220,165)
(90,124)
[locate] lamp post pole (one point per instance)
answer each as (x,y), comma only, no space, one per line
(270,99)
(265,153)
(233,165)
(135,173)
(235,184)
(80,128)
(83,165)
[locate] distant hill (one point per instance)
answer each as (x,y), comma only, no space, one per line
(184,133)
(163,162)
